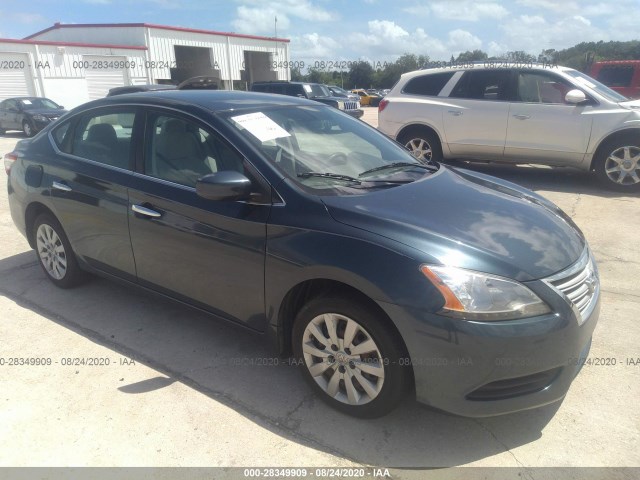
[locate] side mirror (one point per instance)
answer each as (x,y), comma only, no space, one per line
(575,97)
(227,185)
(60,107)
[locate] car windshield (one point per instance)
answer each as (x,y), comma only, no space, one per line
(319,91)
(340,90)
(327,151)
(37,103)
(596,86)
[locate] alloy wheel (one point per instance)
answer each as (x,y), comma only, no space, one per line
(343,359)
(420,149)
(623,164)
(51,251)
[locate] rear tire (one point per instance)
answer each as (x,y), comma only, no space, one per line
(55,254)
(618,164)
(350,356)
(423,144)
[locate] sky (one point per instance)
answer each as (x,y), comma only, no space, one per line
(350,30)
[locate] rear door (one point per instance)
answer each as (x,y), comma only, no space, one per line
(208,253)
(542,126)
(475,120)
(88,183)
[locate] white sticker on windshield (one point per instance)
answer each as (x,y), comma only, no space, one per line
(307,88)
(26,102)
(261,126)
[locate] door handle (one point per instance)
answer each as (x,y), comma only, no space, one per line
(147,212)
(522,117)
(61,186)
(455,113)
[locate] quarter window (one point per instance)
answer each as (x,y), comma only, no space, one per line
(430,84)
(483,85)
(105,138)
(182,152)
(537,87)
(61,136)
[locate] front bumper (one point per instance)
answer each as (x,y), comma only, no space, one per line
(479,369)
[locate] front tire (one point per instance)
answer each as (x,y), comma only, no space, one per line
(351,356)
(423,144)
(55,254)
(618,165)
(28,129)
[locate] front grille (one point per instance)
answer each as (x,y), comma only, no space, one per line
(579,285)
(514,387)
(350,105)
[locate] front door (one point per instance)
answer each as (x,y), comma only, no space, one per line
(542,126)
(208,253)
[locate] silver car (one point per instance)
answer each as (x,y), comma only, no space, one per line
(531,113)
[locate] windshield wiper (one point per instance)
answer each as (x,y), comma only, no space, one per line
(431,168)
(335,176)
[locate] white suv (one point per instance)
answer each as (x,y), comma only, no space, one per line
(535,114)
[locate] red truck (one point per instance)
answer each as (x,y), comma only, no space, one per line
(623,76)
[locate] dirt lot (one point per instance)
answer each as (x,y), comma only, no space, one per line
(170,396)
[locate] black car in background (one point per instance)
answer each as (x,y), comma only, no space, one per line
(149,87)
(342,93)
(383,276)
(312,91)
(29,114)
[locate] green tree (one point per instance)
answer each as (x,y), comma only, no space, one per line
(472,56)
(361,75)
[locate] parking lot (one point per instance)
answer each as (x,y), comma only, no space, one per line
(176,388)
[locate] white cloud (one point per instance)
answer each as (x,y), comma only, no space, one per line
(385,39)
(256,16)
(555,6)
(461,41)
(312,46)
(465,10)
(533,33)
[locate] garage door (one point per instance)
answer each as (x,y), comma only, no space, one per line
(15,75)
(101,74)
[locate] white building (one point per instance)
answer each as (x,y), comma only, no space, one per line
(74,63)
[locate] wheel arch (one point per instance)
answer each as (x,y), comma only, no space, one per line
(612,137)
(33,211)
(418,126)
(304,291)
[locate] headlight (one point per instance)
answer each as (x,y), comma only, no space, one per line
(40,118)
(473,295)
(340,105)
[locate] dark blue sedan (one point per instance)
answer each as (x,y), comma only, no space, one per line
(380,275)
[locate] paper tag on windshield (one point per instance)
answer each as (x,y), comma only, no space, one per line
(307,88)
(261,126)
(26,102)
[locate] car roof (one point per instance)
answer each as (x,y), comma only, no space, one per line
(24,98)
(213,100)
(482,66)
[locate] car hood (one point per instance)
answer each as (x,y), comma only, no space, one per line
(631,104)
(469,220)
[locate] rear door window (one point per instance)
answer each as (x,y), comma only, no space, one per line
(616,75)
(490,84)
(105,137)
